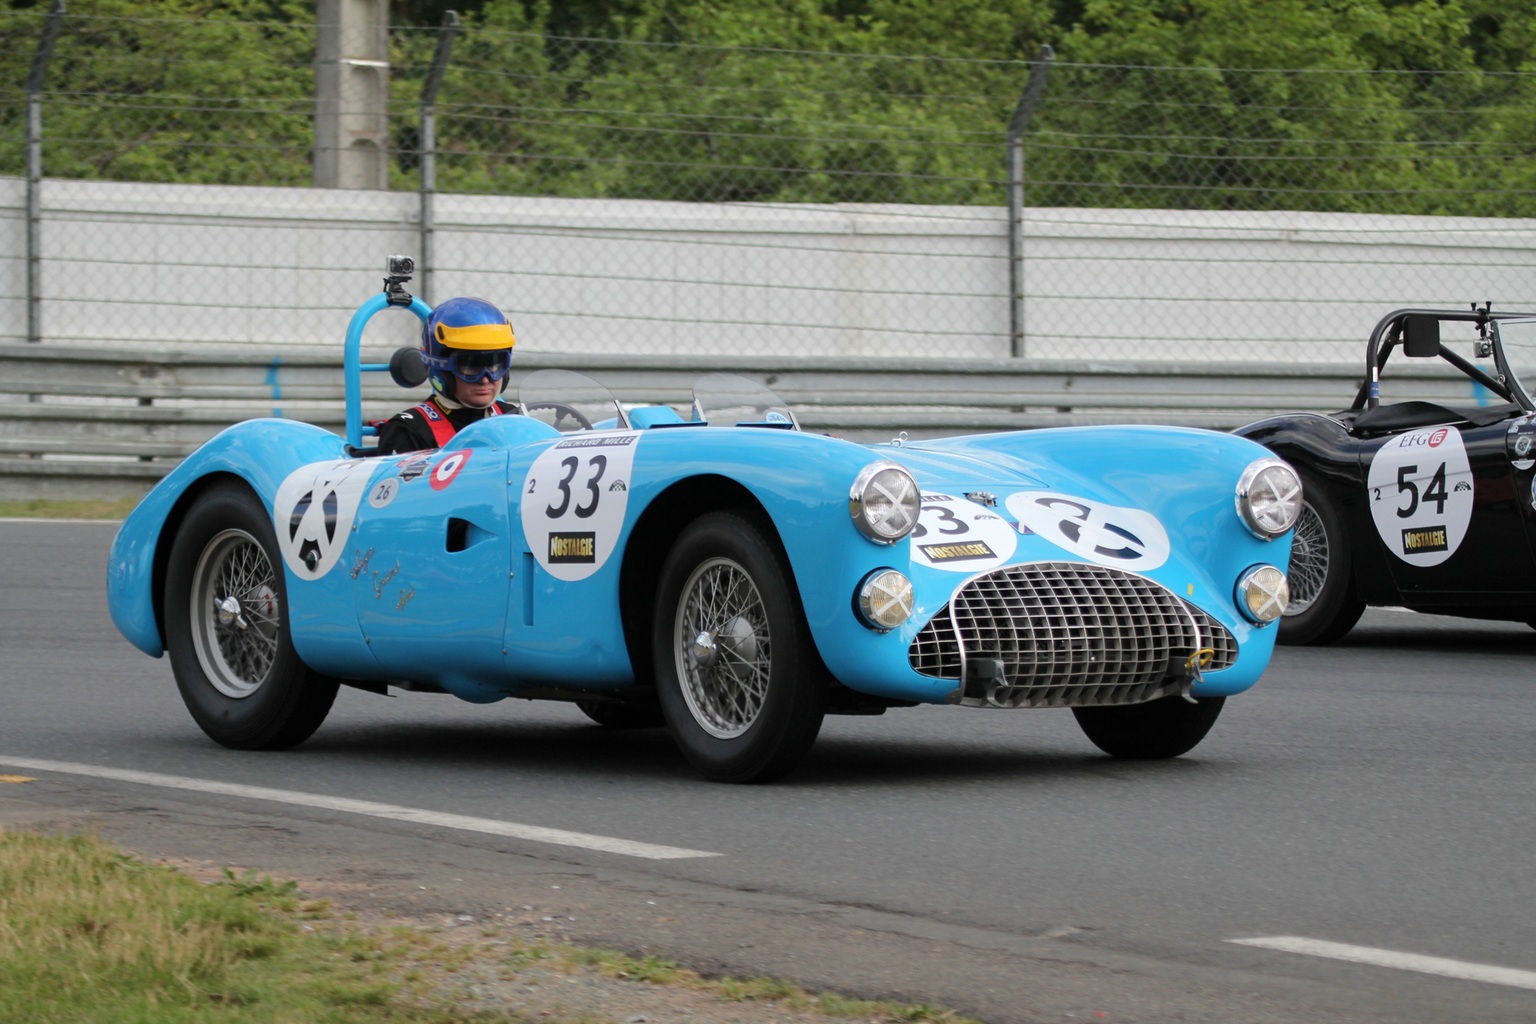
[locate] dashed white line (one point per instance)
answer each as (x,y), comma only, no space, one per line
(487,826)
(1441,966)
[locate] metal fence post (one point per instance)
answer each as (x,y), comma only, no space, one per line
(1033,89)
(428,136)
(35,78)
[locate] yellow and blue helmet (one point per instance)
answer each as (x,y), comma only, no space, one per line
(467,338)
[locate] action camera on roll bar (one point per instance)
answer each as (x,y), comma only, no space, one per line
(398,270)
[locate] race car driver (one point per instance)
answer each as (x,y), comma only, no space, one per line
(466,344)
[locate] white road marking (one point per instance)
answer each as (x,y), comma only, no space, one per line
(1400,961)
(488,826)
(55,522)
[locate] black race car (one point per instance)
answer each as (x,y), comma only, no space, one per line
(1420,494)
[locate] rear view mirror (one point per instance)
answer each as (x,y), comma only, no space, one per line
(406,368)
(1421,335)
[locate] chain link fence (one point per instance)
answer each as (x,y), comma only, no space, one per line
(694,199)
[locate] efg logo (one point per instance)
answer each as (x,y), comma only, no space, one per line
(573,547)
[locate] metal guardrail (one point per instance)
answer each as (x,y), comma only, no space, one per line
(93,422)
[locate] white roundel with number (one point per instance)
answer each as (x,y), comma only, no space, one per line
(1420,489)
(959,535)
(313,512)
(1127,538)
(573,502)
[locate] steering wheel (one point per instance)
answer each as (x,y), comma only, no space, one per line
(562,413)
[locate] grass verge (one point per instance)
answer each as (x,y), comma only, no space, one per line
(90,934)
(44,508)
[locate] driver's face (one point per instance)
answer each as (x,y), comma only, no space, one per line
(478,395)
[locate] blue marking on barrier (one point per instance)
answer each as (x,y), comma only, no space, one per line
(1480,391)
(275,385)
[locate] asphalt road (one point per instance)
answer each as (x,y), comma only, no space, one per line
(1376,795)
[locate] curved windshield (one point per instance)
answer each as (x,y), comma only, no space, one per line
(569,401)
(729,400)
(1517,340)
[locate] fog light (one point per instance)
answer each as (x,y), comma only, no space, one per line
(884,599)
(1262,593)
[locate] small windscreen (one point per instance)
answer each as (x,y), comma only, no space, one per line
(569,401)
(729,400)
(1518,340)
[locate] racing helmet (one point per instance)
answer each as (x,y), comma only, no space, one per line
(466,338)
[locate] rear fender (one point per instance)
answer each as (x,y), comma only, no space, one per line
(259,453)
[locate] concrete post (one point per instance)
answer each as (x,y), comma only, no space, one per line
(35,79)
(428,134)
(352,94)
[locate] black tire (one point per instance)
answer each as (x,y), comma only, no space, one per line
(613,714)
(1323,603)
(1152,731)
(226,628)
(727,617)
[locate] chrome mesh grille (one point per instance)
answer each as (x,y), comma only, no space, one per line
(1067,634)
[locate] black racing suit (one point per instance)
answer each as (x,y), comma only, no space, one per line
(430,425)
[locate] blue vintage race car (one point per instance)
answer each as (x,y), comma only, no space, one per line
(725,574)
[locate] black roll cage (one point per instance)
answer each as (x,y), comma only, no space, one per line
(1388,335)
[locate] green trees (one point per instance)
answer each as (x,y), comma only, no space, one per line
(170,91)
(1386,107)
(1425,106)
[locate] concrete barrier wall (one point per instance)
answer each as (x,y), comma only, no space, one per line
(192,264)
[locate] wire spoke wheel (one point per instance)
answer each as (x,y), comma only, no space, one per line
(235,614)
(1309,561)
(227,628)
(737,673)
(723,648)
(1323,605)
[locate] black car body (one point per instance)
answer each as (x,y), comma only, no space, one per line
(1420,493)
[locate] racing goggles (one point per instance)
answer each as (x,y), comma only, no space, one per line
(472,367)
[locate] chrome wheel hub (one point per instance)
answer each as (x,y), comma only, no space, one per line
(704,650)
(235,614)
(722,648)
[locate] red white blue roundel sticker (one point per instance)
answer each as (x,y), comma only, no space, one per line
(1127,538)
(1420,488)
(443,473)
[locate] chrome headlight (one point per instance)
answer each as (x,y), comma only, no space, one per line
(1262,593)
(884,502)
(884,599)
(1269,497)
